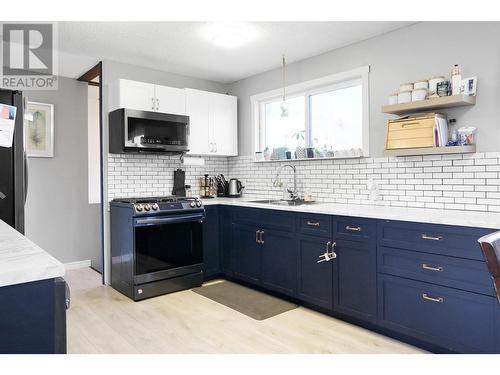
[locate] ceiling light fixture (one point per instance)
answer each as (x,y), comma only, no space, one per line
(284,104)
(230,34)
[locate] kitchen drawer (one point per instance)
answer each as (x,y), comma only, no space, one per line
(354,229)
(471,275)
(433,238)
(316,225)
(450,318)
(264,218)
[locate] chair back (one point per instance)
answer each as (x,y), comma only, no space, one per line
(490,245)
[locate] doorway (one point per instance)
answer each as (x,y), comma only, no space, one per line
(93,78)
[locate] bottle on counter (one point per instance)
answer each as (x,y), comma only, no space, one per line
(456,80)
(188,191)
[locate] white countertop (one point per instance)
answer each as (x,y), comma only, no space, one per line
(22,261)
(476,219)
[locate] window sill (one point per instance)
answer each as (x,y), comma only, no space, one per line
(309,159)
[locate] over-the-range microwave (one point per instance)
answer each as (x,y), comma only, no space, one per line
(142,131)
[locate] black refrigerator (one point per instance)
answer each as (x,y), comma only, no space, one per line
(13,170)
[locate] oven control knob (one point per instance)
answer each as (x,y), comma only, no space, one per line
(147,207)
(198,203)
(138,207)
(192,204)
(155,206)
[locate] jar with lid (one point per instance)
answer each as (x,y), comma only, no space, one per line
(188,191)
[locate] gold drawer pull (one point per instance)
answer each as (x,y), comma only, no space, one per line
(427,267)
(426,237)
(353,229)
(409,123)
(438,300)
(313,223)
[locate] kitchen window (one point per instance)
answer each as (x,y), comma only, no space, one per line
(327,117)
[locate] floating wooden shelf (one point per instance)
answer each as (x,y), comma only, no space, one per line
(432,151)
(430,104)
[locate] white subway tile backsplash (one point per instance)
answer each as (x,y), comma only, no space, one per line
(454,182)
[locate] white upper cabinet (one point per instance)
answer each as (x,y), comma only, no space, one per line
(147,97)
(170,100)
(133,95)
(225,124)
(213,123)
(198,110)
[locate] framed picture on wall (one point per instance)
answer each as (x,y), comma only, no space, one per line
(39,130)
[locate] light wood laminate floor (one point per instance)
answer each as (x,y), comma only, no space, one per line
(101,320)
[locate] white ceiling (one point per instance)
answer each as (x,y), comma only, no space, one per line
(182,47)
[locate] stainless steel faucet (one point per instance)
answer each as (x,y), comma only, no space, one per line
(277,182)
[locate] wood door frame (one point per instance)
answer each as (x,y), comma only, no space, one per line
(88,77)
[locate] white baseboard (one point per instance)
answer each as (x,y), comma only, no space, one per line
(77,265)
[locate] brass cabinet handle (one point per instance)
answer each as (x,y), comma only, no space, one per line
(353,229)
(313,223)
(426,237)
(427,267)
(432,299)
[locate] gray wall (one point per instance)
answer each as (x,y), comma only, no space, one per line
(417,52)
(112,71)
(58,216)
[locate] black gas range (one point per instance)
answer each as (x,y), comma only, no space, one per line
(156,245)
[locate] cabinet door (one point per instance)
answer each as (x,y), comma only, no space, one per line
(198,110)
(279,261)
(136,95)
(355,289)
(211,253)
(224,124)
(225,228)
(246,254)
(314,280)
(170,100)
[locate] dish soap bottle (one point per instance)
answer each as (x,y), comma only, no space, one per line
(456,80)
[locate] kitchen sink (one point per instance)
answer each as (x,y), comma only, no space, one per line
(283,202)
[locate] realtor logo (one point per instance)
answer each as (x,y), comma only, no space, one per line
(29,57)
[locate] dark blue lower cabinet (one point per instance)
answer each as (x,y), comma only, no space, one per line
(246,253)
(33,318)
(211,243)
(225,238)
(355,290)
(314,280)
(449,318)
(279,261)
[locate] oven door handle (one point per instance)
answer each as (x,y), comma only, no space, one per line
(169,220)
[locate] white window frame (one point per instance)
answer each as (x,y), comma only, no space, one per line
(313,87)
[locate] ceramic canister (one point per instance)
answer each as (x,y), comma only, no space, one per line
(406,87)
(418,94)
(424,84)
(404,97)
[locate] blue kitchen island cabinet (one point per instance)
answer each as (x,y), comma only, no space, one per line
(33,317)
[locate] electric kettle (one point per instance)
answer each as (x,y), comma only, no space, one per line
(235,188)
